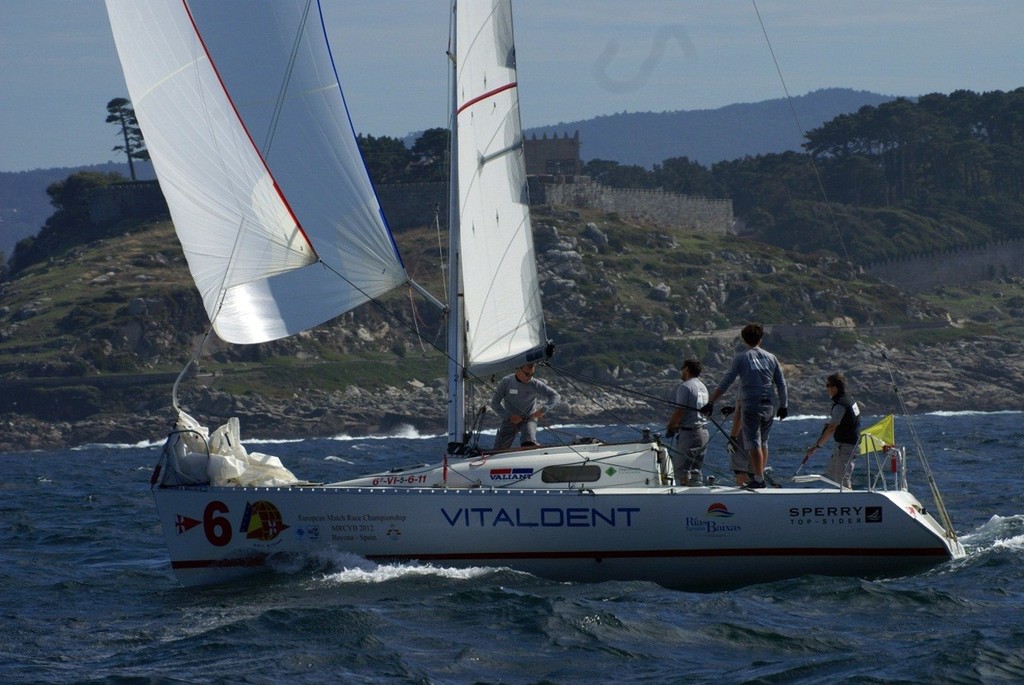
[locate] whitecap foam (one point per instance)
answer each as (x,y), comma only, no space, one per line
(272,441)
(972,412)
(403,431)
(143,445)
(806,417)
(998,531)
(1016,543)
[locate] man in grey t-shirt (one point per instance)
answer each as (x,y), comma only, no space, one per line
(520,399)
(688,426)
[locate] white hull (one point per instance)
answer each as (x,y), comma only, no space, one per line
(678,537)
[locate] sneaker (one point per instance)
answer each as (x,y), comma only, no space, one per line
(755,485)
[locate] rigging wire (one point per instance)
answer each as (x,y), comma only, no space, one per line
(415,318)
(191,363)
(440,243)
(946,521)
(936,495)
(796,119)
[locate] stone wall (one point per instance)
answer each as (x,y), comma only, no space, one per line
(954,267)
(698,214)
(407,205)
(140,200)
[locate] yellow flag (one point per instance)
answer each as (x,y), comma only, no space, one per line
(873,438)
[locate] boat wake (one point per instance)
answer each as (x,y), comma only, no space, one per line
(356,569)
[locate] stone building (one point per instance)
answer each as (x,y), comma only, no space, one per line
(558,157)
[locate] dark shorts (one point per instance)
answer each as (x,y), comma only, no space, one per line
(757,424)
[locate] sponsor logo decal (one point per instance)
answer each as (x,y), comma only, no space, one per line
(834,516)
(511,474)
(719,510)
(545,517)
(261,521)
(712,523)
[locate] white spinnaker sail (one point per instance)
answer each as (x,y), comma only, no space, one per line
(504,320)
(249,134)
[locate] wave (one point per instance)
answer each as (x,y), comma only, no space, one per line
(404,431)
(142,445)
(998,532)
(972,412)
(272,441)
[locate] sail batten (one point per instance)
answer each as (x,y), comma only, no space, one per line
(208,79)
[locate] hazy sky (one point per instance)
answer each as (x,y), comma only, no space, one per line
(577,59)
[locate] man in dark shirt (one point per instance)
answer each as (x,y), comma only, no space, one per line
(844,425)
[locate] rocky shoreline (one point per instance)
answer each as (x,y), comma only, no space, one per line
(982,375)
(610,286)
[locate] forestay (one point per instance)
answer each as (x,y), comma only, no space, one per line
(250,137)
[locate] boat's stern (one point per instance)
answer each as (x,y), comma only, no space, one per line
(917,511)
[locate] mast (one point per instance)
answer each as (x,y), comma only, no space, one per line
(456,308)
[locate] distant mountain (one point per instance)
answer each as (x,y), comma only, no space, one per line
(710,135)
(25,206)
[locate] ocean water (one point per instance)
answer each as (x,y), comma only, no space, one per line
(88,594)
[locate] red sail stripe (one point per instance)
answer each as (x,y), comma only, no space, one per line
(488,94)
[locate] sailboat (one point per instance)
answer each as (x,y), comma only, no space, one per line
(251,139)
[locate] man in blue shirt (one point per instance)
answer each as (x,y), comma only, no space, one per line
(758,371)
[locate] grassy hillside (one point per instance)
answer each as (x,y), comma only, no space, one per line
(103,329)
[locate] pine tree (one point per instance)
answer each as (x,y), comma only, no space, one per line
(121,112)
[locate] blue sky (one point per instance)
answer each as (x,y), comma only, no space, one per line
(577,59)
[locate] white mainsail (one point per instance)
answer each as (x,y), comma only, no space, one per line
(504,320)
(251,141)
